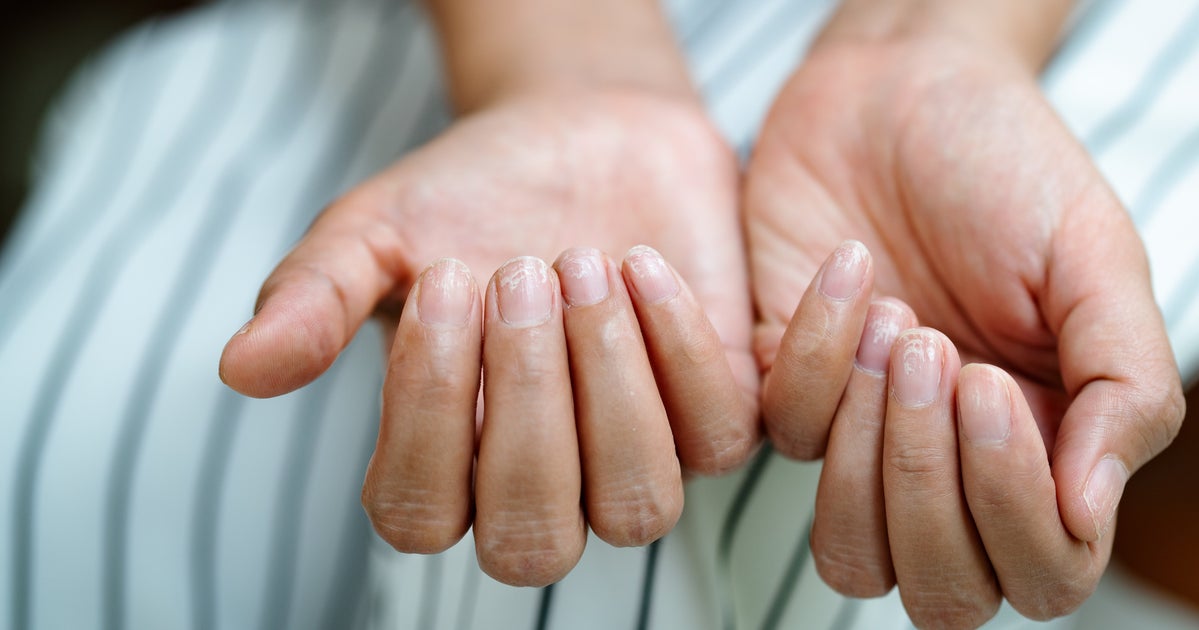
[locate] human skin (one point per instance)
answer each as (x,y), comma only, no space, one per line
(918,128)
(557,144)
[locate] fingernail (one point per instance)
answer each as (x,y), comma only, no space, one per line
(1103,490)
(916,383)
(652,278)
(523,291)
(986,408)
(844,271)
(584,276)
(446,294)
(883,322)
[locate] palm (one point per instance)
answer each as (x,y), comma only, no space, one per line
(536,177)
(960,186)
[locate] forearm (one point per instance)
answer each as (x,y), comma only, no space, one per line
(1024,29)
(493,48)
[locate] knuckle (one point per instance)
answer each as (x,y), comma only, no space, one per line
(718,455)
(848,570)
(792,439)
(637,516)
(918,463)
(950,611)
(525,553)
(1058,599)
(412,521)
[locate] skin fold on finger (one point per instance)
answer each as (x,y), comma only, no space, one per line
(816,354)
(417,491)
(715,428)
(315,300)
(529,527)
(632,482)
(849,532)
(944,576)
(1044,571)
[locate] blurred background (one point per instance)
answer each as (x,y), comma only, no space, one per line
(41,43)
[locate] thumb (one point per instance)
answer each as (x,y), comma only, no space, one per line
(313,303)
(1127,403)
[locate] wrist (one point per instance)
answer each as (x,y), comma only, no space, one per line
(494,50)
(1020,32)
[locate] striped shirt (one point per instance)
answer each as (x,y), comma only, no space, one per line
(184,161)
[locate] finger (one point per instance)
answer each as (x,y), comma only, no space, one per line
(1044,571)
(529,528)
(816,354)
(315,300)
(849,532)
(417,491)
(715,428)
(944,577)
(632,483)
(1116,364)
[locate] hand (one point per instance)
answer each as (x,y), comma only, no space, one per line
(532,174)
(989,219)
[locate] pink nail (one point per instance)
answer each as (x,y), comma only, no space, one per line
(883,323)
(652,278)
(584,276)
(985,405)
(1104,488)
(845,271)
(916,380)
(446,294)
(524,292)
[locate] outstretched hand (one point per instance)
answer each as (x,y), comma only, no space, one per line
(594,373)
(990,220)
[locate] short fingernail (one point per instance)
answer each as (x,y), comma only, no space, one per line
(986,407)
(446,294)
(883,323)
(524,292)
(844,271)
(584,277)
(918,376)
(652,278)
(1103,490)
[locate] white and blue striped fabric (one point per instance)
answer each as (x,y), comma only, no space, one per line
(182,163)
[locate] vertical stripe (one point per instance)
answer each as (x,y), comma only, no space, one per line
(544,608)
(847,614)
(647,584)
(1170,173)
(786,588)
(221,81)
(1163,68)
(138,90)
(728,534)
(278,126)
(288,513)
(469,593)
(430,592)
(214,464)
(770,34)
(345,598)
(1080,36)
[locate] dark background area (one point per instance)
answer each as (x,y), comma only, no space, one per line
(40,45)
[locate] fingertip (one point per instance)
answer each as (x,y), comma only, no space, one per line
(268,357)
